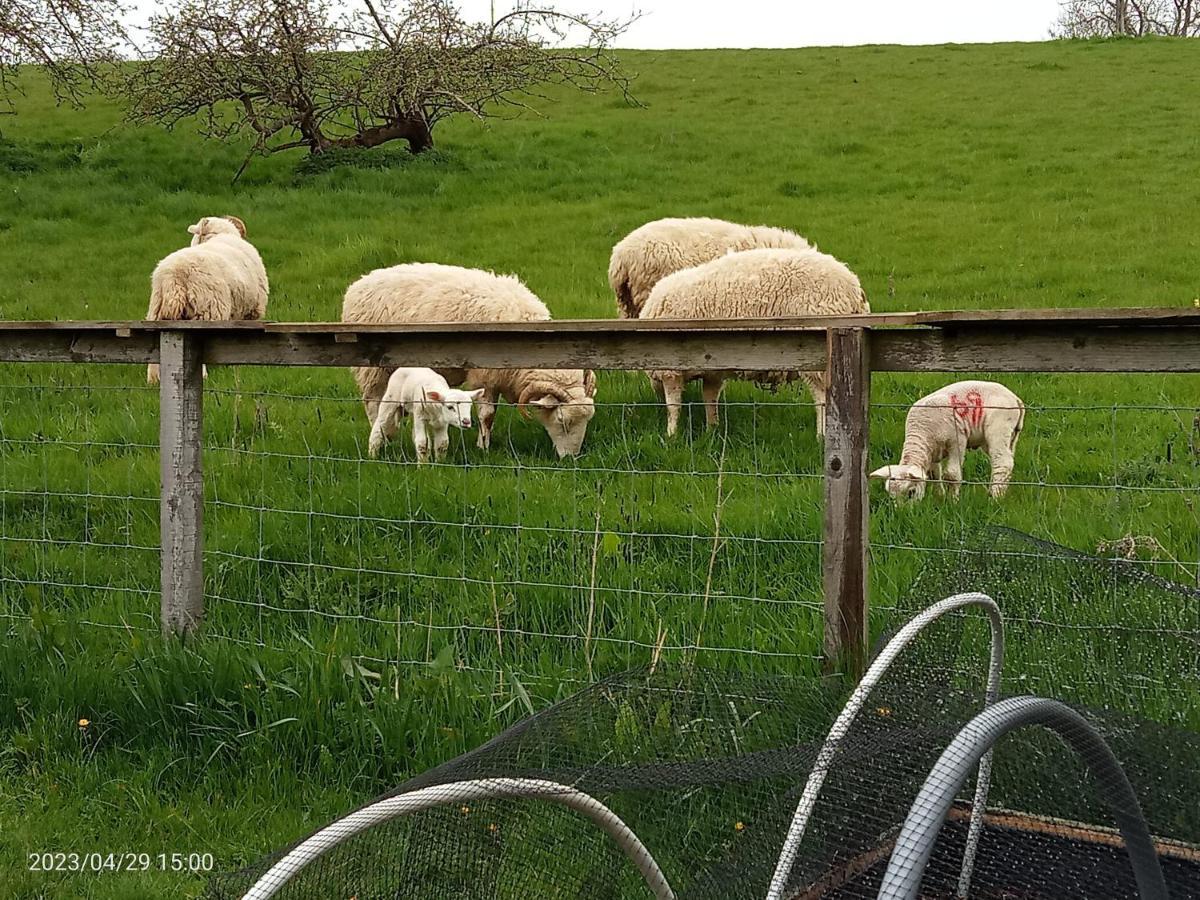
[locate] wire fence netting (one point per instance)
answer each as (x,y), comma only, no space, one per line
(707,768)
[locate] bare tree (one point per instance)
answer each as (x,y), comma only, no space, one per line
(294,74)
(1137,18)
(69,39)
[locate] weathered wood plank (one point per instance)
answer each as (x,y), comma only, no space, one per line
(36,346)
(181,516)
(844,546)
(528,349)
(957,347)
(1134,316)
(999,348)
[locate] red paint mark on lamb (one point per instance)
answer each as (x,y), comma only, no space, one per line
(968,410)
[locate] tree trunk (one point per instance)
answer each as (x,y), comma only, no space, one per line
(412,129)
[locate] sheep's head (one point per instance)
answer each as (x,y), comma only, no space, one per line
(453,405)
(903,482)
(210,226)
(564,403)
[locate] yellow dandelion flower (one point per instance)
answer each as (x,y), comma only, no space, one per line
(84,723)
(884,710)
(493,827)
(739,826)
(465,810)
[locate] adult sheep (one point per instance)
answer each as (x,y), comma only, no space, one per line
(746,285)
(562,399)
(660,248)
(219,277)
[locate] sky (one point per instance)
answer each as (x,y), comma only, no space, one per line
(672,24)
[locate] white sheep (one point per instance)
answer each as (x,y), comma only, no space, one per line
(562,399)
(433,405)
(219,277)
(941,427)
(657,249)
(752,284)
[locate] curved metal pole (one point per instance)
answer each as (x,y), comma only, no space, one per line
(841,726)
(458,792)
(914,846)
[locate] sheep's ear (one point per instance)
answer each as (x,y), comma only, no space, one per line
(547,402)
(194,229)
(476,394)
(237,223)
(435,396)
(885,472)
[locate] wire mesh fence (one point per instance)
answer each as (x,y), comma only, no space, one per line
(706,545)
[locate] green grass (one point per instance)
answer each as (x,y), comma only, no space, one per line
(947,177)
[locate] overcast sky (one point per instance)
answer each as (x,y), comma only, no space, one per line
(804,23)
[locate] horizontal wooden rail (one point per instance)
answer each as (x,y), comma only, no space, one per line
(999,341)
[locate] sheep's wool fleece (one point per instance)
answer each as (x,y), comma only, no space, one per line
(657,249)
(431,292)
(221,278)
(760,283)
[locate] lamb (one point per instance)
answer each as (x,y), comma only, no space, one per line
(657,249)
(561,399)
(219,277)
(752,284)
(941,427)
(433,405)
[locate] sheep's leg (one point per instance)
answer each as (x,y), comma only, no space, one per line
(711,389)
(485,407)
(937,473)
(672,383)
(372,382)
(1002,466)
(952,472)
(152,373)
(384,426)
(441,440)
(420,439)
(816,385)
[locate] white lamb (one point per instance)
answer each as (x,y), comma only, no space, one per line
(433,405)
(562,399)
(219,277)
(657,249)
(752,284)
(941,427)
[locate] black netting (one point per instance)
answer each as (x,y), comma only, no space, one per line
(707,768)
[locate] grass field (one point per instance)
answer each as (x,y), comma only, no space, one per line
(366,619)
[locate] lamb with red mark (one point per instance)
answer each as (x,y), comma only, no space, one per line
(943,426)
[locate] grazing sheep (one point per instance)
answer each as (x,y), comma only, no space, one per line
(433,405)
(752,284)
(941,427)
(562,399)
(219,277)
(657,249)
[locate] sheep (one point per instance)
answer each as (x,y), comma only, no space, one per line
(433,405)
(220,276)
(942,426)
(561,399)
(657,249)
(752,284)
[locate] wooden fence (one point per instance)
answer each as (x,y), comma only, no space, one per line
(1120,340)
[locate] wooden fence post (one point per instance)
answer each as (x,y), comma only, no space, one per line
(181,516)
(844,550)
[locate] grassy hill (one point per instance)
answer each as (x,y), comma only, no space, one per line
(368,620)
